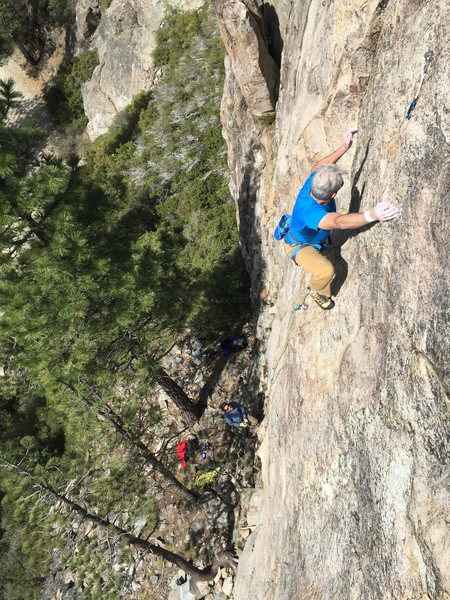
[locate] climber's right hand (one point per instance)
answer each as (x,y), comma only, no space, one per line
(385,211)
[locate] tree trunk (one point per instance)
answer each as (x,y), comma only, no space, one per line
(206,574)
(26,53)
(116,421)
(191,411)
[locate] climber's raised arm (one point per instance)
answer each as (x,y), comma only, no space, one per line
(314,216)
(336,155)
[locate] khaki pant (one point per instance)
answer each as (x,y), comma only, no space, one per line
(320,268)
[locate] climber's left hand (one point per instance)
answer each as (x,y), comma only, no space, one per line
(348,137)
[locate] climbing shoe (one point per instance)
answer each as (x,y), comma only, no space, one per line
(322,301)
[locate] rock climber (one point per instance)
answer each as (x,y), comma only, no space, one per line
(236,415)
(314,217)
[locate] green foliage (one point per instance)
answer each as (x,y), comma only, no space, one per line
(9,97)
(26,416)
(63,97)
(176,35)
(268,118)
(37,534)
(60,12)
(198,206)
(25,24)
(101,267)
(94,574)
(13,25)
(183,160)
(25,551)
(109,261)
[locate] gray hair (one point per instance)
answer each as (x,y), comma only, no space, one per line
(327,181)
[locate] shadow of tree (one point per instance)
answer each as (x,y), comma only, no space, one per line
(249,223)
(211,382)
(30,108)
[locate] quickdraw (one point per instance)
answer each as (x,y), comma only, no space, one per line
(412,106)
(302,300)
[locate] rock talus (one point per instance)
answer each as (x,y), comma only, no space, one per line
(356,455)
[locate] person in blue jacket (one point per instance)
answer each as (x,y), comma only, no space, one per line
(236,415)
(314,217)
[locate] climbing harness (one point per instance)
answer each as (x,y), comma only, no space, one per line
(283,232)
(428,58)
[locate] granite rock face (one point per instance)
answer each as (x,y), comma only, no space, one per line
(87,18)
(355,458)
(124,39)
(255,70)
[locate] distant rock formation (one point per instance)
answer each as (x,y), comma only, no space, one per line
(356,455)
(124,39)
(87,17)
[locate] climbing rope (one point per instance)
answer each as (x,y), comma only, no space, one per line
(428,58)
(301,305)
(286,341)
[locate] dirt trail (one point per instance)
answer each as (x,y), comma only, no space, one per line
(32,88)
(15,67)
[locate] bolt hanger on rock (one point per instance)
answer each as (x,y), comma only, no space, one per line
(428,59)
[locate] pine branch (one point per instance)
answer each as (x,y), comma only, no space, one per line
(205,574)
(107,412)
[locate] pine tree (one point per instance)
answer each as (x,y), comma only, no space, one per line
(41,534)
(36,484)
(25,24)
(89,289)
(9,97)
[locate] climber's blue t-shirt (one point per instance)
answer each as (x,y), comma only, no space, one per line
(306,217)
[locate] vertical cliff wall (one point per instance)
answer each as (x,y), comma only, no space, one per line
(356,446)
